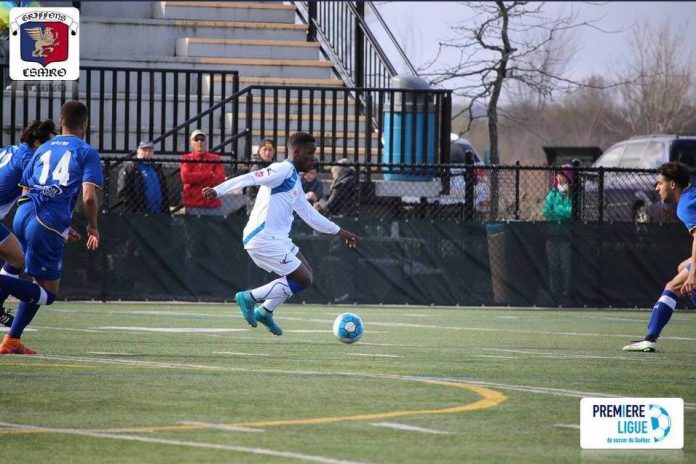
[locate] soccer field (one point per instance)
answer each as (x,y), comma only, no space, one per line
(193,383)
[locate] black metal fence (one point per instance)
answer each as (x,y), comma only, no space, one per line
(452,192)
(128,105)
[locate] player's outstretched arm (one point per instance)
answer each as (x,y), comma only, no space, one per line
(350,238)
(271,176)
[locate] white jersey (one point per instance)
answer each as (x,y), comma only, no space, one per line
(280,193)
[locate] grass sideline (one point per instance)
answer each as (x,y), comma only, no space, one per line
(171,383)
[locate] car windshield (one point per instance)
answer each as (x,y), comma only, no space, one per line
(652,157)
(610,158)
(684,151)
(633,155)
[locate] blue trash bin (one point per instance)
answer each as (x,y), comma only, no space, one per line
(409,114)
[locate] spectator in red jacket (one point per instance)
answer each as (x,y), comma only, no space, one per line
(195,176)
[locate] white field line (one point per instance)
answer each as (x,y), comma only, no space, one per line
(618,319)
(369,323)
(493,356)
(568,426)
(409,428)
(373,355)
(544,390)
(309,331)
(402,324)
(228,428)
(191,444)
(542,354)
(233,353)
(522,388)
(173,329)
(108,353)
(508,317)
(28,329)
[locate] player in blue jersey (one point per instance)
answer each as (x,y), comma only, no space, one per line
(673,187)
(52,181)
(13,160)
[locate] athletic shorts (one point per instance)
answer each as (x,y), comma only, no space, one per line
(43,248)
(278,257)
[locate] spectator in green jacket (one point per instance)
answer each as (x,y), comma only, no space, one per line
(558,208)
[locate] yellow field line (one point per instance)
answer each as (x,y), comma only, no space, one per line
(490,398)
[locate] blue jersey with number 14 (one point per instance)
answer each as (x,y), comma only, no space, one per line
(55,176)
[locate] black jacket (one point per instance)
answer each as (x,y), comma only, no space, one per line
(343,196)
(131,190)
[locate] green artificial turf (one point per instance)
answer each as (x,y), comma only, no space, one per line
(102,389)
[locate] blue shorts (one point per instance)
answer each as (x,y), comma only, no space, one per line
(43,248)
(4,232)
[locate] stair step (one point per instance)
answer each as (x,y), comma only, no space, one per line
(262,62)
(297,81)
(247,48)
(237,11)
(245,81)
(293,69)
(136,34)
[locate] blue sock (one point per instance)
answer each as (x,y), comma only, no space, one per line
(10,271)
(25,313)
(295,286)
(26,291)
(693,298)
(660,315)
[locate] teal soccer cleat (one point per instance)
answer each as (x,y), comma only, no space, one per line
(266,318)
(246,306)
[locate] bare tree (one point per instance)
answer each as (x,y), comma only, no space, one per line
(657,95)
(508,42)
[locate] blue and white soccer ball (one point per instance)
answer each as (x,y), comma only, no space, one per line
(348,327)
(660,422)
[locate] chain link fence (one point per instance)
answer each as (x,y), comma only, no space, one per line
(445,192)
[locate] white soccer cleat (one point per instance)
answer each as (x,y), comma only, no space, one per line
(641,345)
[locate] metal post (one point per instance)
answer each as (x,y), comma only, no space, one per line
(469,179)
(249,124)
(517,190)
(312,20)
(600,195)
(575,191)
(359,47)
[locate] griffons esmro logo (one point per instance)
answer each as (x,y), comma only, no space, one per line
(44,44)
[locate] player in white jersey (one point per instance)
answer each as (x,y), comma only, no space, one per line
(267,234)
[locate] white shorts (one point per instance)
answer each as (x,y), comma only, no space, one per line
(280,258)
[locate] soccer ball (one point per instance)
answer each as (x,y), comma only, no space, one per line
(348,327)
(660,422)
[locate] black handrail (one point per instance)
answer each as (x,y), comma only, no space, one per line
(347,41)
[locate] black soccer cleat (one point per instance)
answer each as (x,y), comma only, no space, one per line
(6,318)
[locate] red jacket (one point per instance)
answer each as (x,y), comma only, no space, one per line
(195,176)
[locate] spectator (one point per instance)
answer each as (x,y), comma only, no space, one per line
(459,150)
(264,156)
(142,187)
(558,208)
(312,186)
(343,195)
(196,176)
